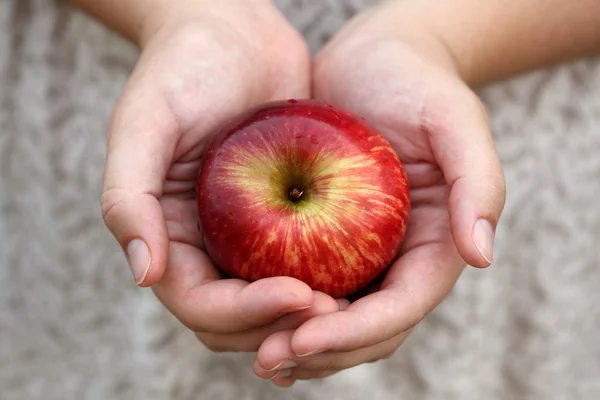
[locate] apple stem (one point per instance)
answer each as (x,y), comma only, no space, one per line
(295,194)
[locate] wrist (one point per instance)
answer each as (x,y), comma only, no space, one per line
(164,17)
(406,22)
(417,24)
(496,39)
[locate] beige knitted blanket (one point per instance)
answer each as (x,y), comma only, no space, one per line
(74,326)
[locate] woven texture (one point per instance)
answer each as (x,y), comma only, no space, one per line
(74,326)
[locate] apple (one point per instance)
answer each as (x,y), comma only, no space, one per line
(304,189)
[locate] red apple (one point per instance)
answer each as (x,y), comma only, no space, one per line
(303,189)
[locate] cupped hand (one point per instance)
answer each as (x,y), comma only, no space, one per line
(403,81)
(202,64)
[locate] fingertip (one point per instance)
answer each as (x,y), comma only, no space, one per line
(284,382)
(300,291)
(274,351)
(277,347)
(147,266)
(475,243)
(265,300)
(316,334)
(285,294)
(153,277)
(138,224)
(323,303)
(261,372)
(483,238)
(473,230)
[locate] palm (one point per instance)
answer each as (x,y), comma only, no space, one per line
(191,71)
(197,81)
(393,93)
(406,87)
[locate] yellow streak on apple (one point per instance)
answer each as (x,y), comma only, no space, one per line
(258,174)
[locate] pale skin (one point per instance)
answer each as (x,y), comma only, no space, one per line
(407,67)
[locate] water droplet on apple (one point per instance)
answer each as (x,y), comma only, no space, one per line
(292,101)
(314,139)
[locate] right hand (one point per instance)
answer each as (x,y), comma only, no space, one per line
(200,65)
(404,81)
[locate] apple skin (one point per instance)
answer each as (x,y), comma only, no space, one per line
(304,189)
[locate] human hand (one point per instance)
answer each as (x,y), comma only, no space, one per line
(404,82)
(200,64)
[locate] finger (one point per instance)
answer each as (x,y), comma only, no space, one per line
(193,291)
(462,143)
(182,219)
(288,377)
(302,374)
(414,286)
(284,382)
(276,354)
(349,359)
(141,140)
(250,340)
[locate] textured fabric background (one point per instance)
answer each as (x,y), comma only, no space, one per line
(74,326)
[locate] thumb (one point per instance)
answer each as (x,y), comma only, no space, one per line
(141,142)
(463,146)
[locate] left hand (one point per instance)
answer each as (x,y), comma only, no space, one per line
(202,63)
(404,84)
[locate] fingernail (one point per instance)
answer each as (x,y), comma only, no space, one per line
(343,304)
(138,257)
(285,364)
(483,236)
(292,310)
(299,308)
(310,353)
(284,373)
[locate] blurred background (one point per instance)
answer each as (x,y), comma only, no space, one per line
(74,326)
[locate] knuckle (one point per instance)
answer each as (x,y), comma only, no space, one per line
(419,309)
(111,199)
